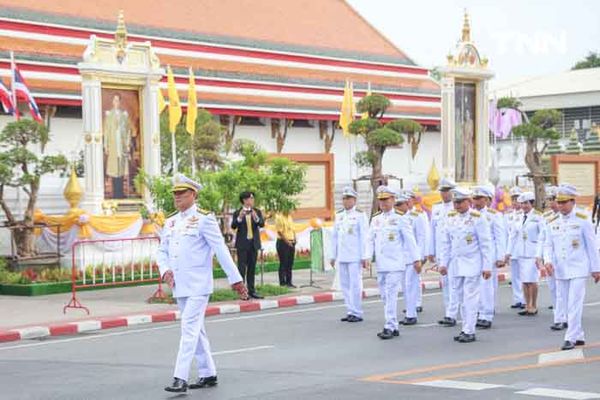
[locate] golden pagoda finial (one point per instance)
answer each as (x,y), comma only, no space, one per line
(73,192)
(466,30)
(121,37)
(433,177)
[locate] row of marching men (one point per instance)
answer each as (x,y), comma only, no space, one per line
(467,241)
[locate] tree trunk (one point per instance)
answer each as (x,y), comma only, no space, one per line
(533,161)
(377,178)
(24,241)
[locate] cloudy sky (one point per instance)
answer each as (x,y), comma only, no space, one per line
(521,38)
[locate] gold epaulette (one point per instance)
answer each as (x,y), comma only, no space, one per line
(552,219)
(377,213)
(538,212)
(359,210)
(414,213)
(339,211)
(203,211)
(452,213)
(492,211)
(548,213)
(399,212)
(172,214)
(439,202)
(475,213)
(581,215)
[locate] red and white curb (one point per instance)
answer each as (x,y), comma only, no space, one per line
(73,328)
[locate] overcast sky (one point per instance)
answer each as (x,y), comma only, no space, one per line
(521,38)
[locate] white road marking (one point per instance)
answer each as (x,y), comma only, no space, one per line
(560,394)
(596,303)
(176,325)
(459,385)
(575,354)
(247,349)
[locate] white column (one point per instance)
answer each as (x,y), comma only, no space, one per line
(483,137)
(92,138)
(151,132)
(447,127)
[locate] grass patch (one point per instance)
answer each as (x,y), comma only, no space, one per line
(272,290)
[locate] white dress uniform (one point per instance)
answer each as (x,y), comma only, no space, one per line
(512,218)
(559,306)
(348,248)
(439,212)
(466,249)
(525,246)
(571,247)
(423,244)
(189,240)
(489,287)
(388,234)
(412,281)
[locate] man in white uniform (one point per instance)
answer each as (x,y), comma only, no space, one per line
(412,283)
(482,199)
(439,212)
(348,241)
(188,241)
(422,241)
(513,218)
(466,249)
(571,254)
(389,233)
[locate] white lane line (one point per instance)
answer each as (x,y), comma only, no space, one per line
(176,324)
(560,394)
(459,385)
(575,354)
(596,303)
(247,349)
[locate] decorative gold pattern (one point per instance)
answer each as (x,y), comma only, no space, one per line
(467,55)
(73,192)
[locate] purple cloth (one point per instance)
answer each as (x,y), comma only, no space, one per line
(502,121)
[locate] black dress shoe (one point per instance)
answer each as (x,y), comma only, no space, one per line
(580,343)
(447,322)
(395,332)
(523,313)
(483,324)
(559,326)
(354,318)
(531,314)
(409,321)
(466,338)
(255,295)
(568,345)
(291,286)
(345,319)
(518,305)
(208,381)
(550,307)
(178,386)
(419,309)
(461,334)
(386,334)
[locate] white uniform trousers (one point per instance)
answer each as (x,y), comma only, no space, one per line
(487,300)
(352,285)
(194,341)
(452,304)
(515,282)
(559,300)
(412,286)
(574,292)
(466,291)
(420,292)
(389,285)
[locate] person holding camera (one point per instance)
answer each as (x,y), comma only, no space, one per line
(247,221)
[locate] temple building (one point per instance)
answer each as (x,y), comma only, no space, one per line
(270,71)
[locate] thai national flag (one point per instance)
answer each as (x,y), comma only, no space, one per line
(6,99)
(23,93)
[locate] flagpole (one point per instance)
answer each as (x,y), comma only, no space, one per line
(12,85)
(173,153)
(193,157)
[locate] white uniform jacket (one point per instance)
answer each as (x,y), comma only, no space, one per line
(466,245)
(188,242)
(570,246)
(349,236)
(388,234)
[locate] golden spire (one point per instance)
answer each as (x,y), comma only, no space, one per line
(466,30)
(433,177)
(73,192)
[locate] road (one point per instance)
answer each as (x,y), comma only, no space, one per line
(306,353)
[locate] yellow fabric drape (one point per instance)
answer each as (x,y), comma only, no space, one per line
(101,223)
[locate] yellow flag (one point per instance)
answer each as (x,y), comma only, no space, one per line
(174,105)
(365,115)
(192,110)
(161,101)
(347,111)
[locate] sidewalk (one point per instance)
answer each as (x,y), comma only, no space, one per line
(35,317)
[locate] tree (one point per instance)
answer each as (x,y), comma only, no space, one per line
(22,169)
(537,131)
(378,136)
(592,60)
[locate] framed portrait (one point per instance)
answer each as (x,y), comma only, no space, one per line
(464,95)
(121,141)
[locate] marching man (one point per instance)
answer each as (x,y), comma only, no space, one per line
(570,255)
(513,218)
(348,249)
(188,241)
(388,235)
(466,253)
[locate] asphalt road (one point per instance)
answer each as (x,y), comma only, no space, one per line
(306,353)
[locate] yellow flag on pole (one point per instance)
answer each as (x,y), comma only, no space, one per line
(161,101)
(347,111)
(174,105)
(365,115)
(192,110)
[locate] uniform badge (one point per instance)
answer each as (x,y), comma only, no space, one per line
(350,231)
(575,243)
(469,238)
(391,237)
(524,236)
(172,224)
